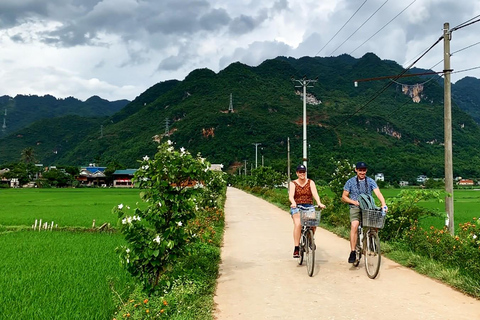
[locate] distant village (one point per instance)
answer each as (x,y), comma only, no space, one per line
(89,176)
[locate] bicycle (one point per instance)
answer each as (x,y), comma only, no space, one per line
(309,218)
(368,242)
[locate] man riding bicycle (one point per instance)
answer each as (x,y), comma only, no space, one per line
(360,184)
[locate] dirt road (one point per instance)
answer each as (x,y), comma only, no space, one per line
(259,279)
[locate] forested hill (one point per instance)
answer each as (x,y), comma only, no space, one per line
(396,127)
(23,110)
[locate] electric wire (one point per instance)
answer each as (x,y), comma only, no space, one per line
(383,26)
(342,27)
(358,28)
(465,24)
(386,86)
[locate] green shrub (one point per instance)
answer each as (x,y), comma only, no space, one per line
(403,212)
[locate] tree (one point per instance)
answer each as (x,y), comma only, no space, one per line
(28,155)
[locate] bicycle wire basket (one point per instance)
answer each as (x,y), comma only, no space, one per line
(309,216)
(373,218)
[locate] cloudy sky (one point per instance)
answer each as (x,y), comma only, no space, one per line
(117,49)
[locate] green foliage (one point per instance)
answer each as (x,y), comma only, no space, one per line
(461,251)
(343,171)
(157,236)
(57,178)
(24,110)
(261,177)
(23,171)
(193,278)
(404,211)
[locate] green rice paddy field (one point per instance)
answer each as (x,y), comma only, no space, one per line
(61,274)
(466,205)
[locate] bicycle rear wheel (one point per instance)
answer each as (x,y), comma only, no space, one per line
(372,254)
(310,252)
(302,249)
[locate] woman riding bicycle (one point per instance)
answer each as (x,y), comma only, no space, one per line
(302,190)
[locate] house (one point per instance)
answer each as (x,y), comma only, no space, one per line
(422,178)
(124,178)
(216,167)
(403,183)
(465,182)
(91,176)
(379,177)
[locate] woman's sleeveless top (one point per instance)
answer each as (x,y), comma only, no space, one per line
(303,195)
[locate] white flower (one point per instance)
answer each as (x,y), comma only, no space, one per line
(145,167)
(170,149)
(124,221)
(120,206)
(182,150)
(136,218)
(128,207)
(129,220)
(179,223)
(127,251)
(169,142)
(128,260)
(146,158)
(157,239)
(474,236)
(159,204)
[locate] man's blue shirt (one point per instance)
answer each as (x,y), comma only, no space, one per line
(355,187)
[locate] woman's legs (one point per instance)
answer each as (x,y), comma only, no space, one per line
(297,229)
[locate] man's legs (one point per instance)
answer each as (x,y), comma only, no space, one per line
(354,223)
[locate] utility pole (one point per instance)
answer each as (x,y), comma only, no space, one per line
(256,153)
(245,167)
(167,128)
(288,164)
(230,107)
(447,35)
(304,82)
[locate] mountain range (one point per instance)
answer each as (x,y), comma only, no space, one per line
(395,126)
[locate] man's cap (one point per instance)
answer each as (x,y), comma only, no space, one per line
(361,165)
(301,167)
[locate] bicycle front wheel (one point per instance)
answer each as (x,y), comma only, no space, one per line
(372,254)
(310,252)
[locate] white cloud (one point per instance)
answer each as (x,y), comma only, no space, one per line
(119,48)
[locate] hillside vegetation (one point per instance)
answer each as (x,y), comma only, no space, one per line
(398,129)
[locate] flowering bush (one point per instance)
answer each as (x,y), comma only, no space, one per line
(343,172)
(172,183)
(461,251)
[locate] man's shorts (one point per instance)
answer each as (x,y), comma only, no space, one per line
(354,214)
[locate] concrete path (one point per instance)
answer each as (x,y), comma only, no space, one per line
(259,279)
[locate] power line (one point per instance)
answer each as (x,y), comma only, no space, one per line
(465,24)
(386,86)
(342,27)
(359,28)
(383,26)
